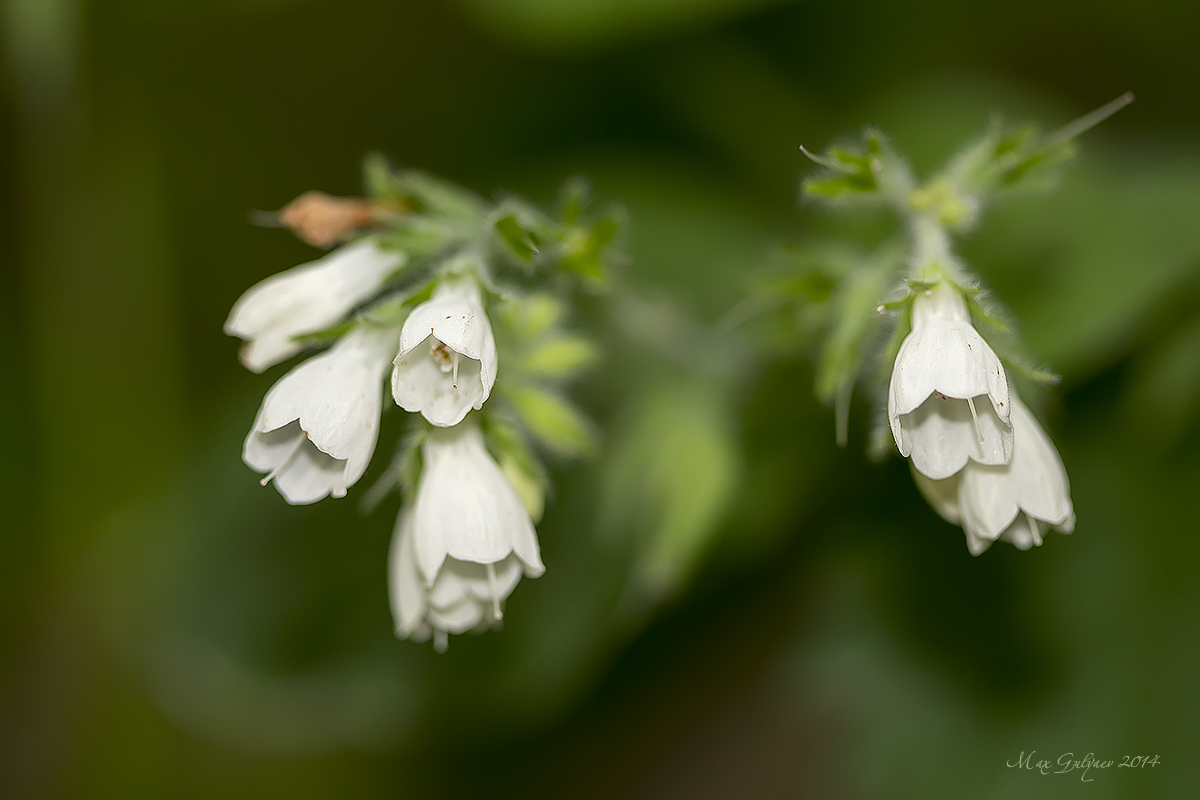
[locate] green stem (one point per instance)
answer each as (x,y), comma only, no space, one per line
(933,260)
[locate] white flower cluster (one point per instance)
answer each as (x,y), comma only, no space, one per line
(978,455)
(461,546)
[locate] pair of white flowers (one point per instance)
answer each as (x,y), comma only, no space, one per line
(978,455)
(461,547)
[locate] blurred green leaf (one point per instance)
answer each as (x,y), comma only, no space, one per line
(590,24)
(552,419)
(560,357)
(531,316)
(668,482)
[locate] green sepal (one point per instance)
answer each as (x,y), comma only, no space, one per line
(378,177)
(1043,376)
(435,197)
(326,336)
(584,249)
(393,309)
(416,235)
(1008,156)
(851,174)
(865,172)
(521,240)
(987,314)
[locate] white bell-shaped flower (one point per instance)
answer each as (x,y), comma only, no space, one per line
(467,539)
(464,595)
(447,360)
(1015,502)
(306,298)
(317,427)
(948,400)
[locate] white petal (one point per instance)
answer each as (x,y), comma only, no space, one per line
(420,385)
(941,303)
(302,473)
(1038,472)
(977,545)
(1025,532)
(305,299)
(264,451)
(459,618)
(332,399)
(989,498)
(310,476)
(945,357)
(406,588)
(452,323)
(942,434)
(459,580)
(951,358)
(941,495)
(465,507)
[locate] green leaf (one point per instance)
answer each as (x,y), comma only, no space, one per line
(559,358)
(668,483)
(529,317)
(844,348)
(553,420)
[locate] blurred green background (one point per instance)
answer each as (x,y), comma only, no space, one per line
(733,606)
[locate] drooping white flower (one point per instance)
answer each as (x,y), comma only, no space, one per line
(948,400)
(306,298)
(1015,502)
(447,360)
(317,427)
(464,595)
(462,547)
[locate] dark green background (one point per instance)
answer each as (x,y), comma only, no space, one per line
(172,630)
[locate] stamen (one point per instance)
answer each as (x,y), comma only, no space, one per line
(454,362)
(440,640)
(440,354)
(287,459)
(975,418)
(491,573)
